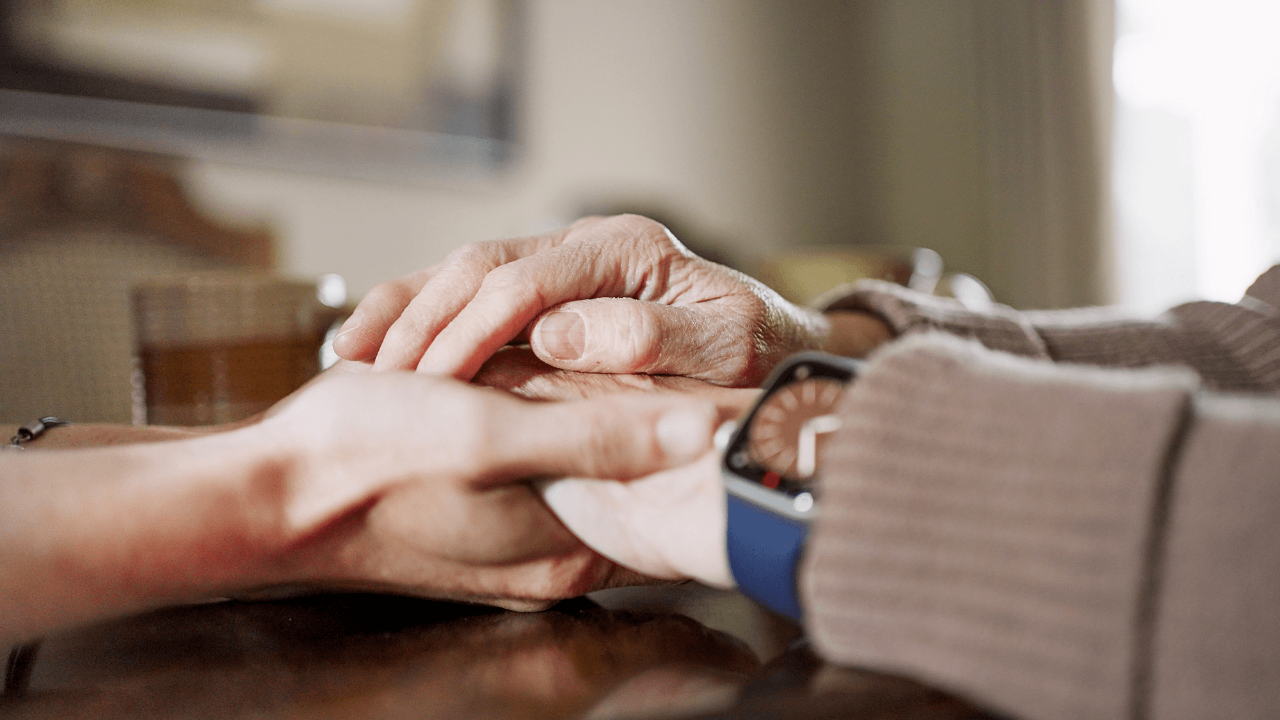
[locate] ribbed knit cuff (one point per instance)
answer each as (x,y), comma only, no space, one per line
(985,524)
(909,312)
(1231,346)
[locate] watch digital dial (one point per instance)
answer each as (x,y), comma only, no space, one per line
(780,439)
(789,424)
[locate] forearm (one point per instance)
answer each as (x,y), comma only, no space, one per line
(88,534)
(1231,347)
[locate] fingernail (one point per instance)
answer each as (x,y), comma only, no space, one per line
(684,434)
(350,324)
(563,334)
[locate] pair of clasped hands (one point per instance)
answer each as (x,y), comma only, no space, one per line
(479,494)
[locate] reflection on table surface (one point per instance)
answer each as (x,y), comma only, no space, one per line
(682,651)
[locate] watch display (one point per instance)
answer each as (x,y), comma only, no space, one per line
(779,442)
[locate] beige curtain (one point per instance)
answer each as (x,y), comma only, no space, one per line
(978,128)
(1045,102)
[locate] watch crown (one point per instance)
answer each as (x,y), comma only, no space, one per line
(724,433)
(803,502)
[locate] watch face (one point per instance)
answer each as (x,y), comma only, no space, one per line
(787,427)
(779,444)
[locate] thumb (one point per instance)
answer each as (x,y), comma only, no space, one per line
(622,335)
(619,436)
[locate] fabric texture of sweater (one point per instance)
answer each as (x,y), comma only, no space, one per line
(1060,514)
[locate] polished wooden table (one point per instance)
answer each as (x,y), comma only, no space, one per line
(683,651)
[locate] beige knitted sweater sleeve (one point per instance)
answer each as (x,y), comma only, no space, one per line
(1060,515)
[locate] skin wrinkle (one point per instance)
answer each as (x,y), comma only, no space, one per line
(606,278)
(638,273)
(734,303)
(658,271)
(732,362)
(671,354)
(725,299)
(645,344)
(414,325)
(629,280)
(680,274)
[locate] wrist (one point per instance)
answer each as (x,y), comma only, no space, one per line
(210,511)
(854,334)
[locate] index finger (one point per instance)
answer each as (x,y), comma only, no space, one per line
(438,300)
(509,299)
(361,335)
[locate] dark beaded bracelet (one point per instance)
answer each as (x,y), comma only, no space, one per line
(17,670)
(32,431)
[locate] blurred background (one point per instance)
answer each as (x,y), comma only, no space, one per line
(1065,154)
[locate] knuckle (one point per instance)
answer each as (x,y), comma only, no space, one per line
(641,341)
(738,369)
(466,253)
(632,222)
(624,229)
(651,231)
(473,260)
(654,250)
(410,329)
(511,275)
(515,286)
(387,295)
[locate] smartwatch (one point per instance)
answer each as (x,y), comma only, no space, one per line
(770,469)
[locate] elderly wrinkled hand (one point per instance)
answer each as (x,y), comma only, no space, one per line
(606,295)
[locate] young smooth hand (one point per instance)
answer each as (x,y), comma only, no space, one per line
(419,484)
(397,482)
(606,295)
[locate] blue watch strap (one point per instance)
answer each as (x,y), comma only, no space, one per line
(764,555)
